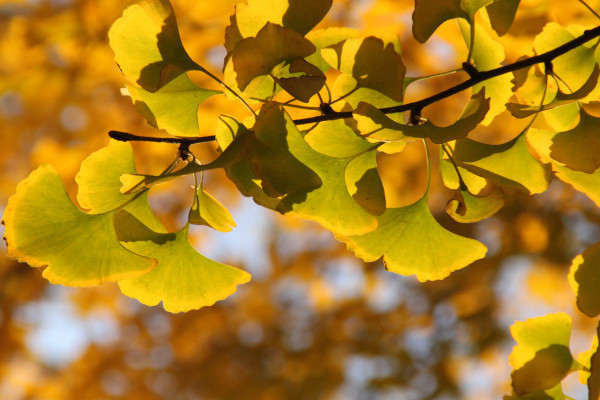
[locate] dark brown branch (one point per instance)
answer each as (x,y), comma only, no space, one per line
(128,137)
(476,77)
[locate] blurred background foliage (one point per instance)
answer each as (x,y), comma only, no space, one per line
(314,323)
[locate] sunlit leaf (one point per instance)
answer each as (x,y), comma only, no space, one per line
(411,242)
(273,157)
(183,279)
(346,87)
(475,183)
(43,227)
(373,124)
(584,277)
(174,107)
(430,14)
(364,184)
(466,207)
(336,139)
(489,54)
(578,148)
(300,79)
(555,35)
(257,56)
(206,210)
(99,178)
(508,165)
(371,62)
(323,38)
(147,45)
(317,189)
(240,173)
(542,357)
(298,15)
(502,14)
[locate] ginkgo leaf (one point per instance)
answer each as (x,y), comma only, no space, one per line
(585,358)
(374,124)
(174,107)
(578,148)
(346,87)
(584,278)
(323,38)
(411,242)
(43,227)
(183,279)
(555,35)
(329,202)
(474,183)
(430,14)
(372,63)
(240,173)
(336,139)
(298,15)
(257,56)
(488,54)
(502,14)
(99,178)
(147,45)
(465,207)
(206,210)
(508,165)
(364,184)
(272,155)
(300,79)
(542,357)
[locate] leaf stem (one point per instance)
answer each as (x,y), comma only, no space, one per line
(589,8)
(478,77)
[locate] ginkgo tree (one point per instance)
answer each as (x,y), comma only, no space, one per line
(324,167)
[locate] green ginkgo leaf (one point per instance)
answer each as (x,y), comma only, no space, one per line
(99,178)
(346,87)
(430,14)
(542,357)
(571,79)
(240,172)
(488,54)
(336,139)
(465,207)
(174,107)
(364,184)
(300,79)
(508,165)
(206,210)
(474,183)
(257,56)
(372,64)
(323,38)
(411,241)
(298,15)
(272,155)
(43,227)
(584,278)
(147,45)
(502,14)
(183,279)
(320,193)
(578,148)
(374,124)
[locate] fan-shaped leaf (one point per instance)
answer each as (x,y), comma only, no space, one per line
(371,63)
(206,210)
(584,278)
(541,358)
(147,45)
(323,38)
(466,207)
(174,107)
(43,227)
(502,14)
(411,241)
(336,139)
(99,178)
(364,184)
(183,279)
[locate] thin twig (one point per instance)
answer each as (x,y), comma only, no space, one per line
(478,77)
(589,8)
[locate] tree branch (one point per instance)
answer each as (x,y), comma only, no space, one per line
(128,137)
(475,78)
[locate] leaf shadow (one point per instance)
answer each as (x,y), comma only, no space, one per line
(130,229)
(544,371)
